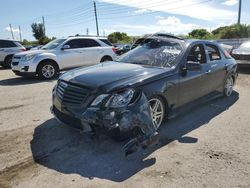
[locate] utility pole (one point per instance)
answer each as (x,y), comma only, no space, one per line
(96,21)
(11,32)
(239,13)
(20,34)
(87,31)
(44,26)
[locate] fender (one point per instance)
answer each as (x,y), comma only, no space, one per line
(48,56)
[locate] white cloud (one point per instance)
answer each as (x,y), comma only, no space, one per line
(159,17)
(170,24)
(15,30)
(141,11)
(192,8)
(230,2)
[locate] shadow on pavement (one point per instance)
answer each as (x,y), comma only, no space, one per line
(244,69)
(22,81)
(67,151)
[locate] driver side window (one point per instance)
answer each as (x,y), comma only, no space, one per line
(197,54)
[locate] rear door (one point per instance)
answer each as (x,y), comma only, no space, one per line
(7,48)
(92,52)
(217,73)
(1,51)
(73,56)
(193,84)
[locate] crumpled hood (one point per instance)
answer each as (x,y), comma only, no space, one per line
(111,75)
(32,52)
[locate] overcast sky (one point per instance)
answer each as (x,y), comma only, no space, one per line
(135,17)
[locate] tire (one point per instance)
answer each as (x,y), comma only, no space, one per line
(7,62)
(106,58)
(228,86)
(47,70)
(158,111)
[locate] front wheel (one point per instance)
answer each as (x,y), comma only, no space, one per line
(47,70)
(228,87)
(157,111)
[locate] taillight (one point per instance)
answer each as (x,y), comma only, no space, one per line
(114,49)
(24,49)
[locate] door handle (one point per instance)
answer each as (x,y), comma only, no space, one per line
(208,71)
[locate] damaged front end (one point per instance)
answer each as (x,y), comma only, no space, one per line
(125,111)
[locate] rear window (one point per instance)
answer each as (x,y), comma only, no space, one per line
(106,41)
(213,52)
(7,44)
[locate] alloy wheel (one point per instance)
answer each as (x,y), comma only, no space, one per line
(157,112)
(229,86)
(48,71)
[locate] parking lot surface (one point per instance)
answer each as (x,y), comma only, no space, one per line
(206,147)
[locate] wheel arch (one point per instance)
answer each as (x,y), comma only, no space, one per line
(106,57)
(9,55)
(47,60)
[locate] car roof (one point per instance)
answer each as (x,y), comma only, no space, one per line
(10,40)
(88,37)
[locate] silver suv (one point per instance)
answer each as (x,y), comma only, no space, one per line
(62,54)
(7,49)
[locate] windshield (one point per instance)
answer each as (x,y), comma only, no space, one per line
(154,52)
(245,45)
(53,44)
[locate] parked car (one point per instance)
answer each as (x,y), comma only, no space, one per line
(36,47)
(62,54)
(7,49)
(147,85)
(123,49)
(227,47)
(242,55)
(140,40)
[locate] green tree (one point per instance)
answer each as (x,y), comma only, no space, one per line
(38,30)
(116,37)
(200,34)
(232,31)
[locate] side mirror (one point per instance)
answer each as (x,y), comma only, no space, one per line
(193,66)
(65,47)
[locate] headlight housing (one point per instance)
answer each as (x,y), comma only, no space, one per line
(28,57)
(120,99)
(98,100)
(117,100)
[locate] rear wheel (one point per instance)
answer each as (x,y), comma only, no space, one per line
(157,110)
(47,70)
(228,87)
(7,62)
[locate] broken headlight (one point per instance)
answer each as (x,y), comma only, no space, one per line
(120,99)
(98,100)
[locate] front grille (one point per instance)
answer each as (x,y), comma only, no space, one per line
(15,60)
(69,120)
(71,94)
(241,57)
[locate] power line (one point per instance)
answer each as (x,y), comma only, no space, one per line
(152,12)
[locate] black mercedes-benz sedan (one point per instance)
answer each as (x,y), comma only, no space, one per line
(242,55)
(143,87)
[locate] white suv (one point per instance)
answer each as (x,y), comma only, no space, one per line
(7,49)
(62,54)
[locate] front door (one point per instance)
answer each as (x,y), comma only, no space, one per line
(193,84)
